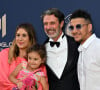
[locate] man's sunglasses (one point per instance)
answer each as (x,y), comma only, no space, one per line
(78,27)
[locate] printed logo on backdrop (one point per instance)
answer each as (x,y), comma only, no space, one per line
(3,44)
(3,25)
(67,31)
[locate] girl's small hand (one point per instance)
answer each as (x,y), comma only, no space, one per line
(19,84)
(38,78)
(33,88)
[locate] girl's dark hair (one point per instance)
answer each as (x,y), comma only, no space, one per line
(40,49)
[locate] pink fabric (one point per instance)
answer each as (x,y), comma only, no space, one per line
(29,78)
(6,69)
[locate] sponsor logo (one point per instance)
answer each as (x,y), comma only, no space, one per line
(67,20)
(3,44)
(3,25)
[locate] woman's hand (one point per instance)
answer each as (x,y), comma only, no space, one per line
(43,81)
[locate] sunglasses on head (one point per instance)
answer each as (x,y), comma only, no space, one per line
(78,27)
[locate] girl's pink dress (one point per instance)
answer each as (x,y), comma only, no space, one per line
(6,69)
(29,79)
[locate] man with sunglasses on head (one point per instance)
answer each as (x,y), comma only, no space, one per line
(62,53)
(81,27)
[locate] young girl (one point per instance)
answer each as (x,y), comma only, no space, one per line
(31,75)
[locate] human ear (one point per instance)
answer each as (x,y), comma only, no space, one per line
(90,27)
(43,60)
(61,24)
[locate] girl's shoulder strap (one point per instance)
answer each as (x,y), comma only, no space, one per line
(40,73)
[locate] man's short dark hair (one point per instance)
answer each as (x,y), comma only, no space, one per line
(81,14)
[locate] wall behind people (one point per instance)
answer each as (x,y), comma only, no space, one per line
(14,12)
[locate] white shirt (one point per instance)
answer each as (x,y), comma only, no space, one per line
(89,64)
(57,56)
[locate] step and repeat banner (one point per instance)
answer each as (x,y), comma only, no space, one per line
(15,12)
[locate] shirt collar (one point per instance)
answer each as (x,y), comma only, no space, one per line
(87,43)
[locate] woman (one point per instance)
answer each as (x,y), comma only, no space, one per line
(11,57)
(30,74)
